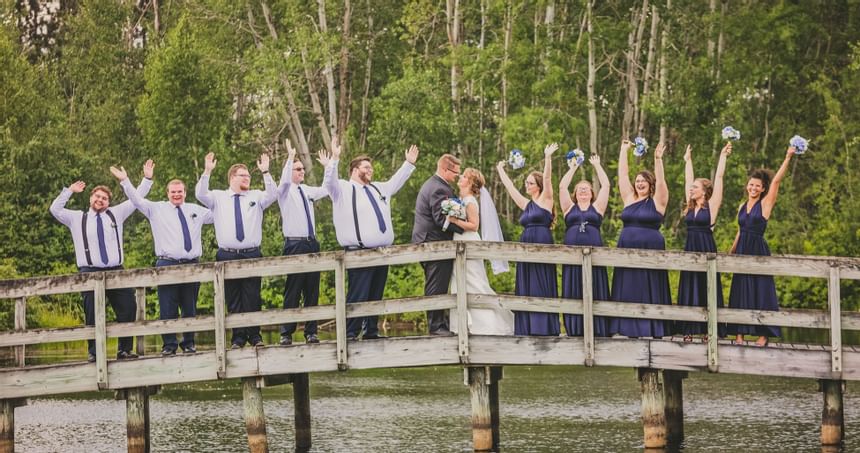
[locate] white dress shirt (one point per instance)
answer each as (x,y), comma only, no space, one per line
(294,220)
(340,191)
(166,227)
(112,232)
(252,203)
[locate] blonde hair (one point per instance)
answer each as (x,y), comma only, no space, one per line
(476,178)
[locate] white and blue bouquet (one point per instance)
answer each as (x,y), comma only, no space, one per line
(730,133)
(454,207)
(575,157)
(641,146)
(516,159)
(799,143)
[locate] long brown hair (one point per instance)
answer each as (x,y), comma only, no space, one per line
(538,177)
(707,187)
(590,187)
(652,182)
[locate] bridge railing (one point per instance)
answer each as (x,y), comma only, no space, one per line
(833,269)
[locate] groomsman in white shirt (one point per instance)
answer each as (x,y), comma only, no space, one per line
(97,235)
(362,220)
(176,227)
(238,219)
(296,201)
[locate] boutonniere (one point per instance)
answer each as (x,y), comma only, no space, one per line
(253,203)
(194,215)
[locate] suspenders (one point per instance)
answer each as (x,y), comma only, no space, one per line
(87,242)
(355,212)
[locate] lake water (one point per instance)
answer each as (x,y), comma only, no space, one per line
(542,409)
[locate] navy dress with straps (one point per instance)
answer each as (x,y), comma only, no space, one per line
(583,228)
(536,279)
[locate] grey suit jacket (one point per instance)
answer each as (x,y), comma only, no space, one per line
(428,212)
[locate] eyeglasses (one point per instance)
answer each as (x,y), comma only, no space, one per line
(242,175)
(299,169)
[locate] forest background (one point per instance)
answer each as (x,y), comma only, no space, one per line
(85,84)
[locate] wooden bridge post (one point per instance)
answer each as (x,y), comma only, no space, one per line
(220,319)
(140,301)
(587,308)
(462,306)
(832,417)
(255,419)
(713,329)
(20,326)
(653,408)
(340,312)
(302,410)
(101,333)
(674,407)
(483,386)
(137,419)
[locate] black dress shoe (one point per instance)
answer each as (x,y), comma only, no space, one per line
(189,349)
(91,358)
(125,355)
(373,337)
(443,332)
(236,346)
(312,339)
(258,343)
(351,338)
(286,341)
(165,352)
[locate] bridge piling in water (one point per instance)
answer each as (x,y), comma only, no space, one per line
(255,418)
(484,388)
(137,419)
(674,405)
(302,410)
(653,408)
(832,417)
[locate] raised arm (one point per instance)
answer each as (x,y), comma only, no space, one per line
(602,199)
(287,172)
(142,204)
(717,197)
(661,190)
(329,162)
(270,195)
(564,189)
(769,200)
(58,206)
(546,195)
(201,190)
(398,180)
(515,194)
(688,173)
(625,188)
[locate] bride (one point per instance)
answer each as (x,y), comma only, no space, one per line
(481,321)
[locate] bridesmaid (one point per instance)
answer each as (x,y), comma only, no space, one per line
(583,218)
(644,206)
(535,279)
(703,203)
(756,291)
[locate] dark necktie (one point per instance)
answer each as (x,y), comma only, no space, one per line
(186,235)
(379,218)
(237,213)
(100,232)
(307,212)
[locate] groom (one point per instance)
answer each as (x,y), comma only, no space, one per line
(429,226)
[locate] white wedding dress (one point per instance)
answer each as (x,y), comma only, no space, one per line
(481,321)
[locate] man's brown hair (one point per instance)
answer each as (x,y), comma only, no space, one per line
(234,168)
(353,164)
(104,189)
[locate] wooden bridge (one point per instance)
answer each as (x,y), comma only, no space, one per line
(662,363)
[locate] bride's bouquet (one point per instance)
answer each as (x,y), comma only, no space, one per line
(454,207)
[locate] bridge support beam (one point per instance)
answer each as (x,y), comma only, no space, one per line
(484,387)
(302,410)
(674,398)
(137,419)
(653,408)
(255,419)
(7,423)
(832,417)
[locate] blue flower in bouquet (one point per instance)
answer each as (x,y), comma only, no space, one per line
(799,143)
(575,157)
(641,146)
(730,133)
(454,207)
(516,159)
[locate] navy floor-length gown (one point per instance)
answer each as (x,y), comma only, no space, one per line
(646,286)
(536,279)
(583,228)
(693,286)
(753,291)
